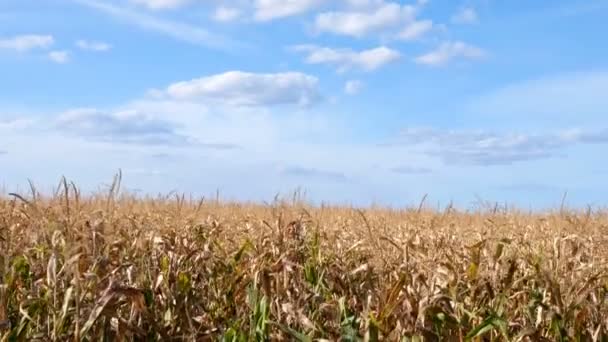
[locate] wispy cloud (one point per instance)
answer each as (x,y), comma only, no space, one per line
(466,15)
(219,146)
(489,148)
(27,42)
(353,87)
(415,30)
(161,4)
(304,172)
(448,51)
(411,170)
(59,56)
(93,45)
(129,127)
(226,14)
(266,10)
(346,59)
(16,124)
(176,30)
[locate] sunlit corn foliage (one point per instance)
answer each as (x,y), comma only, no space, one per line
(113,267)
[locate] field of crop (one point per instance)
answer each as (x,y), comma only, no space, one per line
(115,267)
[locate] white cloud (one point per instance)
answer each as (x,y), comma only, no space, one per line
(161,4)
(93,45)
(266,10)
(346,59)
(360,23)
(465,15)
(353,87)
(176,30)
(59,56)
(27,42)
(226,14)
(416,29)
(448,51)
(240,88)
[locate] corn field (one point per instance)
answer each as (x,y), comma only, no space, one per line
(113,266)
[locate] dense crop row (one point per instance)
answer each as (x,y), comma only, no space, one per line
(117,267)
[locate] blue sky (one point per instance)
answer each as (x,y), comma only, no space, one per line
(356,101)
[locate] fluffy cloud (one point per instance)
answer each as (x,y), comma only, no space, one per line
(27,42)
(226,14)
(448,51)
(488,148)
(161,4)
(359,23)
(130,127)
(238,88)
(353,87)
(416,29)
(93,45)
(273,9)
(465,15)
(346,59)
(59,56)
